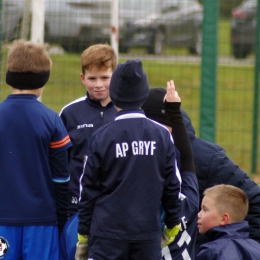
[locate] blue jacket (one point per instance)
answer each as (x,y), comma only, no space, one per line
(81,118)
(69,239)
(214,167)
(126,172)
(31,186)
(230,242)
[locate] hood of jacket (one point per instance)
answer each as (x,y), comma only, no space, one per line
(234,230)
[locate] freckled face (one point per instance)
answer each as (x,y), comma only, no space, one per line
(208,217)
(97,84)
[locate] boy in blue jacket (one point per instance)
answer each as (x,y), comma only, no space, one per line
(221,219)
(130,168)
(34,172)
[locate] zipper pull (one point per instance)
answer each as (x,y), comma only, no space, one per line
(101,114)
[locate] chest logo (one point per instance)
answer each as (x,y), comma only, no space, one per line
(85,126)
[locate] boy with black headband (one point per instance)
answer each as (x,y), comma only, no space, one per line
(33,160)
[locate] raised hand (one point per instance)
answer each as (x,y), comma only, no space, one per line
(171,94)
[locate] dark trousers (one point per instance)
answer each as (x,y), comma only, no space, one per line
(107,249)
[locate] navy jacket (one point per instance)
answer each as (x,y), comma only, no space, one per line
(230,242)
(81,118)
(127,174)
(214,167)
(183,246)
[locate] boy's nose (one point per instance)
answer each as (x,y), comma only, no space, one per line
(99,83)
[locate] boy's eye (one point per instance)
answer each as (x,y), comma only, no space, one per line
(204,209)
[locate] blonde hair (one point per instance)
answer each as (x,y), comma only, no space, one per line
(229,199)
(99,56)
(26,56)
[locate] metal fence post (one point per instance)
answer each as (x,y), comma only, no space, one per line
(114,25)
(209,70)
(256,92)
(38,20)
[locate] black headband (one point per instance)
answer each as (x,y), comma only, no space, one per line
(27,80)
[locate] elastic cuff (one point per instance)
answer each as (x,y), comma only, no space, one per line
(83,239)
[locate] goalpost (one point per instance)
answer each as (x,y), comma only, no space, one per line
(114,38)
(38,13)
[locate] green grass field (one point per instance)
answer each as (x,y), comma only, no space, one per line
(234,93)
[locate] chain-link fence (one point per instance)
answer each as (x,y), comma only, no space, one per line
(167,35)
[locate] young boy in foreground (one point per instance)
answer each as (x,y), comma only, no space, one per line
(221,219)
(33,160)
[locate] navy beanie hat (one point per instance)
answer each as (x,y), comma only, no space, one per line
(154,106)
(129,85)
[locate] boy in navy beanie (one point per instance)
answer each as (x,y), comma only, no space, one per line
(129,86)
(130,169)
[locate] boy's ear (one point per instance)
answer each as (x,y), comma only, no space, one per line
(82,77)
(225,219)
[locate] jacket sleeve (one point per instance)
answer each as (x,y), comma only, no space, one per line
(64,121)
(60,172)
(170,198)
(181,138)
(90,190)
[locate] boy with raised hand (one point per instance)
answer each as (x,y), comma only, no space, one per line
(130,168)
(164,107)
(85,115)
(34,162)
(221,219)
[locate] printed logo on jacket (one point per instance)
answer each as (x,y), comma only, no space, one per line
(4,246)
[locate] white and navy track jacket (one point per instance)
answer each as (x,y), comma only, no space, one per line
(130,169)
(183,247)
(81,118)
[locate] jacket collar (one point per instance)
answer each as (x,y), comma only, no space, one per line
(96,103)
(234,230)
(130,113)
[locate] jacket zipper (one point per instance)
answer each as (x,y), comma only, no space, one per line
(101,114)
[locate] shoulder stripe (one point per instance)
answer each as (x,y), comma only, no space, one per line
(60,143)
(73,102)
